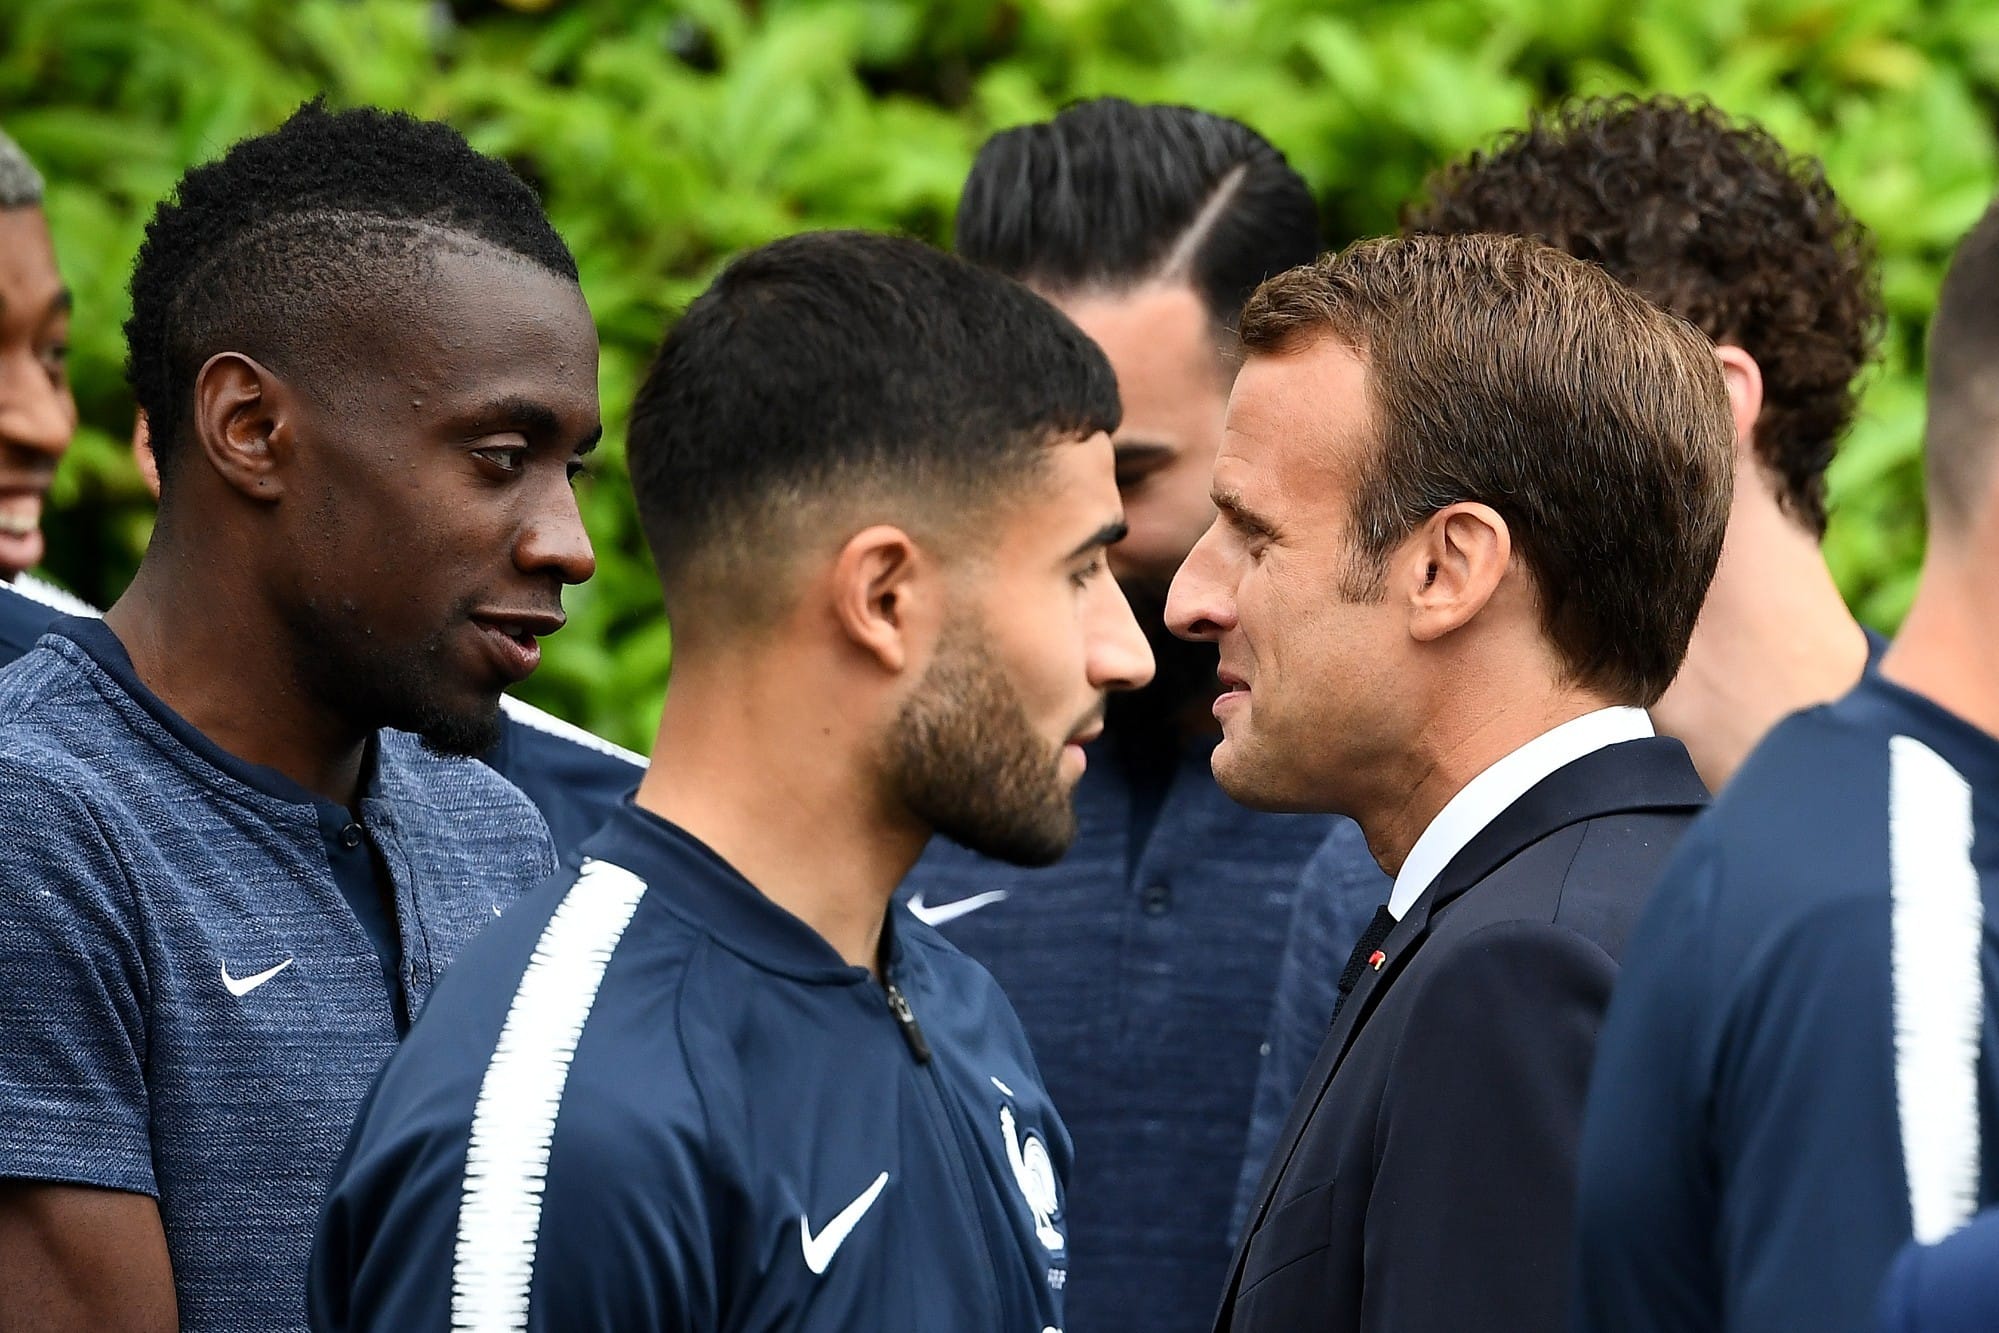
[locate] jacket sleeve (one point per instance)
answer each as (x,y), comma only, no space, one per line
(1470,1212)
(621,1238)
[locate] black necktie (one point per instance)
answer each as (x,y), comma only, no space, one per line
(1370,940)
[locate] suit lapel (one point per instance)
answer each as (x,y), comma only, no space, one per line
(1648,774)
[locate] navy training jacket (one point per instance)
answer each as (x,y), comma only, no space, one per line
(651,1099)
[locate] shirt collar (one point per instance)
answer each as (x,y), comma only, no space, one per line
(1487,796)
(696,884)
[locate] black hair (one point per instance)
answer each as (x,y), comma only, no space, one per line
(334,211)
(1110,194)
(846,364)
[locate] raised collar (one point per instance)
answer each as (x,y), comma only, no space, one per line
(696,884)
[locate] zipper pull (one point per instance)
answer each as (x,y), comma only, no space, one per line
(905,1018)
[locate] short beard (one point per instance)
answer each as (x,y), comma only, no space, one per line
(369,687)
(965,760)
(1145,725)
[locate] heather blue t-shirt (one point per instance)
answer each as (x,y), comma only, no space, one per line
(190,1006)
(574,778)
(1142,965)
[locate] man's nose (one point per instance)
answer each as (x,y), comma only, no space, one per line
(37,411)
(1120,658)
(1198,604)
(554,540)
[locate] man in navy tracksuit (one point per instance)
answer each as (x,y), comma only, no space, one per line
(1799,1072)
(710,1080)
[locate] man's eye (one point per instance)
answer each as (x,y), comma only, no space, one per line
(579,472)
(506,460)
(1081,578)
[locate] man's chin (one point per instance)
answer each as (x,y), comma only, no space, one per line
(457,733)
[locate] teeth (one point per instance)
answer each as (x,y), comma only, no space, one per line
(20,514)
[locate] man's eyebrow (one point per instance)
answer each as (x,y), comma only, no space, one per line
(1110,534)
(534,417)
(1125,450)
(1229,502)
(63,302)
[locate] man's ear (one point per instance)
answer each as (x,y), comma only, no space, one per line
(887,597)
(1744,379)
(1451,567)
(243,423)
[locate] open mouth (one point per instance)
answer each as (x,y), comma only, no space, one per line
(512,642)
(21,543)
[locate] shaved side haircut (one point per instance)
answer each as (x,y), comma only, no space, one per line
(20,183)
(291,244)
(845,378)
(1962,428)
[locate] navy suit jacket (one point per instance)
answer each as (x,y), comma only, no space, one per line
(1425,1179)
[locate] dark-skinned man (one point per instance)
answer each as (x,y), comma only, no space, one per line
(37,410)
(369,373)
(574,778)
(713,1080)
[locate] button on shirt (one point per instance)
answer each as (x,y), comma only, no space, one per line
(1142,965)
(192,1004)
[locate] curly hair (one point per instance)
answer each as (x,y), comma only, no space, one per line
(285,246)
(1710,218)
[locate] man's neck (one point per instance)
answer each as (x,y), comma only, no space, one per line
(789,800)
(1774,636)
(1481,730)
(229,673)
(1944,649)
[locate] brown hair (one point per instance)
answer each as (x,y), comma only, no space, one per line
(1505,372)
(1712,219)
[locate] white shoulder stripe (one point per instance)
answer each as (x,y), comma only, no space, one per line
(1938,926)
(529,716)
(51,596)
(513,1123)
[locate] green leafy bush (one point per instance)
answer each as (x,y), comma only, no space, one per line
(665,137)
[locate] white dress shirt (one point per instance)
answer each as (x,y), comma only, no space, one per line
(1486,796)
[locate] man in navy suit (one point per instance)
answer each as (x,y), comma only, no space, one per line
(1470,497)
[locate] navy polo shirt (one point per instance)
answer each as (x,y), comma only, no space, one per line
(192,1003)
(652,1099)
(1142,965)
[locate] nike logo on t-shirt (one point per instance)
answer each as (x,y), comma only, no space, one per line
(819,1249)
(241,986)
(938,914)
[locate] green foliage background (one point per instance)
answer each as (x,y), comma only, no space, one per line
(665,136)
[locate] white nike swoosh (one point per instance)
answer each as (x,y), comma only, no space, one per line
(241,986)
(819,1249)
(942,912)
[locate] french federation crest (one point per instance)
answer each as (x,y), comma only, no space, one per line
(1035,1174)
